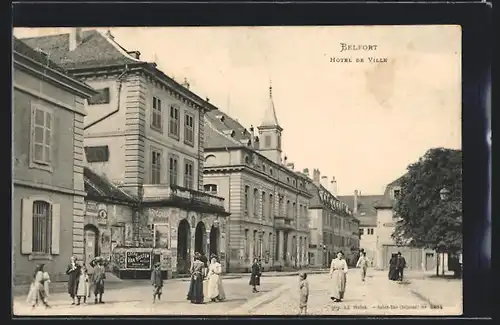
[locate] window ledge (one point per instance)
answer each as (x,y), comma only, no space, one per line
(157,129)
(174,136)
(191,144)
(45,167)
(40,256)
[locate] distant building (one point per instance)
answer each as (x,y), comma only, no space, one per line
(363,207)
(332,224)
(267,199)
(144,132)
(416,258)
(47,139)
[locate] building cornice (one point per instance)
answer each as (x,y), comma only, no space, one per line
(53,76)
(254,172)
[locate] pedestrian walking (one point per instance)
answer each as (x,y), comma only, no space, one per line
(37,292)
(338,274)
(157,281)
(46,282)
(83,286)
(98,277)
(255,275)
(215,290)
(73,272)
(195,294)
(393,270)
(303,293)
(400,266)
(363,264)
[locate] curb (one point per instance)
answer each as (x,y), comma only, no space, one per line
(260,301)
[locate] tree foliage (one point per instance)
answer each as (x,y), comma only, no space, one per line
(426,221)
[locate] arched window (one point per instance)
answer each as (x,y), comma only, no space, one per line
(42,224)
(210,160)
(210,188)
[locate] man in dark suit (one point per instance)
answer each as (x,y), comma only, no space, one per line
(400,265)
(98,280)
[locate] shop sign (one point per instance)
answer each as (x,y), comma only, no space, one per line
(91,208)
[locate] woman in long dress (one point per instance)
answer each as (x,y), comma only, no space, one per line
(393,271)
(195,294)
(37,292)
(215,290)
(255,275)
(338,271)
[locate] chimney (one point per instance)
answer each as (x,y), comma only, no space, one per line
(324,182)
(355,208)
(306,172)
(75,38)
(286,158)
(316,176)
(290,166)
(333,186)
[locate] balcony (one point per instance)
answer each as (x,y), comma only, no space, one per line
(284,224)
(177,196)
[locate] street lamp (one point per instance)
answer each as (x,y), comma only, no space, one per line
(444,194)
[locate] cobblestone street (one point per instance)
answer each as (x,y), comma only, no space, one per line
(137,300)
(376,296)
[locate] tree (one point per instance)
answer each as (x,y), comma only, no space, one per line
(426,221)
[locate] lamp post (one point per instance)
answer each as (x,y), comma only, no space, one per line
(444,194)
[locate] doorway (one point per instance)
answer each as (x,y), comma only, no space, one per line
(183,247)
(214,241)
(200,238)
(91,243)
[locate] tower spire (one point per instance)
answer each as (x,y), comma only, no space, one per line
(270,118)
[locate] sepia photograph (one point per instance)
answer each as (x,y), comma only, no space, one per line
(293,170)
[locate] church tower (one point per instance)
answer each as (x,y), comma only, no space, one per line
(270,132)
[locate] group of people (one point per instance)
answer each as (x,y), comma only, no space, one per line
(80,283)
(202,270)
(397,264)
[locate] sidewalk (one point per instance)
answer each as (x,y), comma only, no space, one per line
(114,283)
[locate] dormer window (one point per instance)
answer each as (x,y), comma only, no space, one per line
(220,118)
(396,194)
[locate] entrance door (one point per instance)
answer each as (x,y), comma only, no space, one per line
(214,241)
(91,242)
(430,261)
(183,247)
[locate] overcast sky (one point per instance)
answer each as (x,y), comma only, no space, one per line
(363,123)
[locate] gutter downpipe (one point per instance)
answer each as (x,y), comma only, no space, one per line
(120,82)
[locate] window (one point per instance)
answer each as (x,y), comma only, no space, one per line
(361,231)
(294,211)
(173,124)
(255,202)
(271,206)
(247,245)
(288,179)
(271,171)
(397,193)
(287,213)
(41,227)
(267,141)
(188,173)
(189,129)
(172,170)
(370,231)
(247,193)
(210,188)
(255,244)
(263,168)
(280,205)
(155,167)
(102,97)
(156,115)
(97,154)
(263,207)
(41,136)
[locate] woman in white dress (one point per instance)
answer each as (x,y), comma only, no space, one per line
(338,271)
(215,289)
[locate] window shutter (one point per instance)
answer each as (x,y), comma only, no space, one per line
(56,228)
(27,226)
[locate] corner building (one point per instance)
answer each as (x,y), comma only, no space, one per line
(267,199)
(144,133)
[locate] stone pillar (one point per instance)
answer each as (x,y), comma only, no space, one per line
(281,247)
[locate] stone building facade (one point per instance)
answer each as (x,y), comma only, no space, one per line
(267,199)
(144,132)
(48,192)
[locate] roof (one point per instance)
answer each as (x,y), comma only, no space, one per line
(95,50)
(367,214)
(38,56)
(99,187)
(388,201)
(270,118)
(219,131)
(316,201)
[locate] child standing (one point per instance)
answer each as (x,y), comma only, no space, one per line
(157,282)
(303,293)
(83,286)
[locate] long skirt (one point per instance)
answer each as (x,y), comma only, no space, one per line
(36,294)
(215,290)
(195,294)
(339,280)
(393,273)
